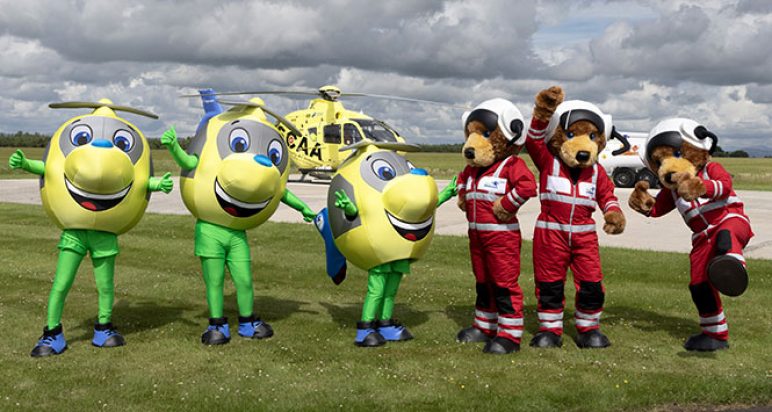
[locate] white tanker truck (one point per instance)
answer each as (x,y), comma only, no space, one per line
(627,168)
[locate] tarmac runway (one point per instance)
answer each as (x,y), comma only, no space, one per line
(667,233)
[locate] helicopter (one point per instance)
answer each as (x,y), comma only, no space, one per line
(326,127)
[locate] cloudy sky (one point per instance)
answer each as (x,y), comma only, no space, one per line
(640,61)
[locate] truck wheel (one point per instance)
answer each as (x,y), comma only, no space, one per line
(649,176)
(623,177)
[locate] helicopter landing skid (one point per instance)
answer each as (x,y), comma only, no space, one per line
(316,176)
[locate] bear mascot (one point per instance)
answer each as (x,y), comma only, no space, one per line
(492,187)
(564,140)
(678,151)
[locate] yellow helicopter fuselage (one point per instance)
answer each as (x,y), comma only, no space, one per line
(327,126)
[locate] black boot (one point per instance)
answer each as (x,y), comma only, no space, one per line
(546,340)
(501,346)
(368,336)
(472,334)
(704,343)
(726,273)
(592,339)
(218,332)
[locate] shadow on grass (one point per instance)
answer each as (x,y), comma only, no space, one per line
(645,320)
(136,317)
(267,308)
(347,315)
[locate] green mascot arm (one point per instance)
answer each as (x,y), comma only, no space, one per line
(343,202)
(19,161)
(294,202)
(184,160)
(162,184)
(448,192)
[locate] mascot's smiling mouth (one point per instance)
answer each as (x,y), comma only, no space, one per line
(235,207)
(411,231)
(94,201)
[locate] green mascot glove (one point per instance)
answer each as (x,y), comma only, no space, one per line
(184,160)
(448,192)
(164,184)
(294,202)
(19,161)
(343,202)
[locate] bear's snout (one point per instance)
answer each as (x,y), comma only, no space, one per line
(583,156)
(469,153)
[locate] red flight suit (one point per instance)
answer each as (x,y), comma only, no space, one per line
(494,246)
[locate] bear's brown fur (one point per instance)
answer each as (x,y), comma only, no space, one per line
(487,151)
(677,171)
(586,138)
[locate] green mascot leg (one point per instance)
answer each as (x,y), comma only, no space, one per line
(66,269)
(390,292)
(241,273)
(214,277)
(374,299)
(104,272)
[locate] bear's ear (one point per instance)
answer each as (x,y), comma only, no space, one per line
(702,133)
(516,127)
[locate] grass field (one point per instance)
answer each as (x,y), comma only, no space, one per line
(749,174)
(311,363)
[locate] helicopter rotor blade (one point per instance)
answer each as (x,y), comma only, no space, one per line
(297,92)
(404,99)
(96,105)
(277,116)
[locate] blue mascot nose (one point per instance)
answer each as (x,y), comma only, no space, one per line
(263,160)
(419,172)
(102,143)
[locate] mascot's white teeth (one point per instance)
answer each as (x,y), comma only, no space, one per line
(244,205)
(118,195)
(410,226)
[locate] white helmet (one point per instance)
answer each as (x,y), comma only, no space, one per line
(499,113)
(572,111)
(673,132)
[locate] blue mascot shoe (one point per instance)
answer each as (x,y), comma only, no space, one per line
(367,336)
(51,343)
(217,333)
(392,330)
(254,328)
(106,336)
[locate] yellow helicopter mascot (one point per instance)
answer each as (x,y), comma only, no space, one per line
(380,214)
(95,183)
(234,175)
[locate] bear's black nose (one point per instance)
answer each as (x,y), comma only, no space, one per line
(469,153)
(669,177)
(583,156)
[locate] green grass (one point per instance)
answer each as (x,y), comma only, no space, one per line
(749,174)
(311,363)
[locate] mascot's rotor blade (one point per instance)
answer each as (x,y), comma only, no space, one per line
(96,105)
(404,99)
(278,117)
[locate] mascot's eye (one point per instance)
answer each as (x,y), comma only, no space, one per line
(486,134)
(275,152)
(384,170)
(80,135)
(239,140)
(123,140)
(592,136)
(677,153)
(570,135)
(659,163)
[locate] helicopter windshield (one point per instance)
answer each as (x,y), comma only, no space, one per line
(376,130)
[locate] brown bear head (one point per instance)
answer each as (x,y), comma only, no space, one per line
(578,132)
(486,139)
(678,148)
